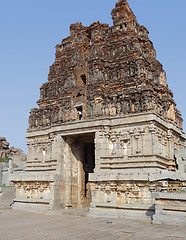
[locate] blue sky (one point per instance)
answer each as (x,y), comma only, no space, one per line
(29,31)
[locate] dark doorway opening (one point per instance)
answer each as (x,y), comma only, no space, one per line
(82,161)
(88,164)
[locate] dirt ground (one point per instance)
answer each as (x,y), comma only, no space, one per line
(24,225)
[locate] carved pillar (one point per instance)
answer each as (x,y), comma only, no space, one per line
(98,143)
(107,135)
(67,172)
(59,156)
(152,130)
(170,145)
(113,142)
(142,142)
(124,143)
(132,142)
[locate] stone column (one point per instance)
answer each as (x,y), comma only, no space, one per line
(59,185)
(60,144)
(99,143)
(67,172)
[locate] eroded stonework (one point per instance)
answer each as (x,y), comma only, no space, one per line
(105,71)
(107,133)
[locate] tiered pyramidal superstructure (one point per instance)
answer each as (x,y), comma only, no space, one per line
(103,71)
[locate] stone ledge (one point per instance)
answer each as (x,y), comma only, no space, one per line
(126,206)
(118,177)
(169,196)
(33,176)
(170,208)
(31,201)
(165,174)
(39,207)
(123,211)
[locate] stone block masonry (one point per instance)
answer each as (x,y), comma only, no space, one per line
(7,194)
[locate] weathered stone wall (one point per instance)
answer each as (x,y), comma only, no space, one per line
(146,146)
(5,172)
(180,156)
(122,199)
(138,148)
(34,193)
(134,198)
(37,190)
(11,159)
(7,194)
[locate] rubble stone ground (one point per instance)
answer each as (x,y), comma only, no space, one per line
(24,225)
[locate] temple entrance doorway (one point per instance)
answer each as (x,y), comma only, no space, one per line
(79,163)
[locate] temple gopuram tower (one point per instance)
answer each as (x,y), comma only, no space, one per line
(107,133)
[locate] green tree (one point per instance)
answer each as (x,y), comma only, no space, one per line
(5,159)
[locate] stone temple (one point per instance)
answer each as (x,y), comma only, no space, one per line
(107,133)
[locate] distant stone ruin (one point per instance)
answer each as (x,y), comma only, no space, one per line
(11,159)
(6,151)
(107,134)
